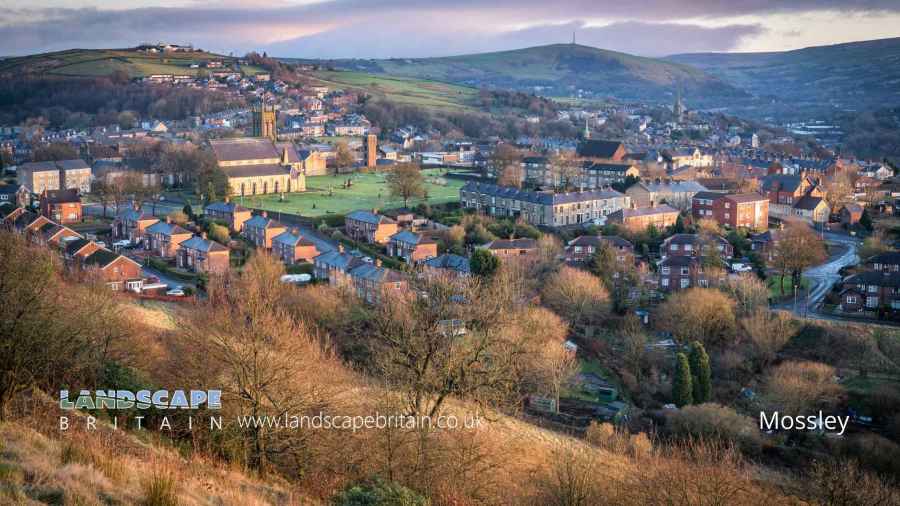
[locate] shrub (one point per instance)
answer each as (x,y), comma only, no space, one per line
(715,421)
(378,492)
(160,489)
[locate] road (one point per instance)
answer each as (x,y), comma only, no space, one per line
(823,277)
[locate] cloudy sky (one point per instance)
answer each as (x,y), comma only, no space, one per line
(414,28)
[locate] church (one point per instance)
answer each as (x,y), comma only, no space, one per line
(259,165)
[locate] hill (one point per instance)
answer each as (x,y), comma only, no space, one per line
(856,75)
(402,90)
(104,62)
(559,70)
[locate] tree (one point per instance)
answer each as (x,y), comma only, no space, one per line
(511,176)
(682,386)
(378,492)
(577,296)
(178,217)
(219,234)
(566,170)
(699,313)
(54,152)
(769,332)
(866,220)
(505,155)
(483,263)
(802,387)
(701,374)
(343,157)
(406,181)
(797,248)
(103,193)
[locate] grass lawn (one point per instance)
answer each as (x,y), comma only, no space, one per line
(369,190)
(419,92)
(775,291)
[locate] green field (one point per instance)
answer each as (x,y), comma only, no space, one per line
(326,195)
(787,284)
(418,92)
(103,62)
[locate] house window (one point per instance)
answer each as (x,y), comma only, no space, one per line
(685,283)
(873,289)
(665,271)
(871,301)
(851,299)
(684,271)
(665,282)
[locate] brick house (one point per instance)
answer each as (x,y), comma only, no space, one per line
(369,227)
(884,262)
(763,244)
(163,238)
(448,263)
(683,272)
(372,281)
(795,195)
(260,230)
(75,251)
(597,149)
(52,234)
(511,248)
(582,248)
(639,219)
(233,214)
(335,266)
(292,248)
(851,214)
(201,255)
(745,210)
(132,224)
(117,271)
(677,194)
(62,206)
(411,247)
(692,245)
(871,291)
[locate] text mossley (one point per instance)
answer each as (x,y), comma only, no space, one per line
(820,421)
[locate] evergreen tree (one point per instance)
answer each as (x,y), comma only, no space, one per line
(678,228)
(701,375)
(865,220)
(682,388)
(484,263)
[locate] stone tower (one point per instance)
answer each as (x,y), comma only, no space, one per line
(264,120)
(371,150)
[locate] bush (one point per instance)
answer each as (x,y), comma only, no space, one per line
(718,422)
(378,492)
(160,490)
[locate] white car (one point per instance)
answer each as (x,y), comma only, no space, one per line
(101,244)
(741,267)
(124,243)
(176,292)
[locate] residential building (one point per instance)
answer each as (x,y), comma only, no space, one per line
(164,237)
(372,281)
(683,272)
(884,262)
(695,246)
(55,175)
(15,195)
(511,248)
(411,247)
(233,215)
(132,224)
(260,230)
(639,219)
(795,196)
(292,248)
(52,234)
(851,214)
(201,255)
(447,263)
(75,251)
(62,206)
(542,208)
(745,210)
(601,150)
(368,226)
(675,194)
(600,174)
(335,266)
(581,249)
(871,291)
(117,271)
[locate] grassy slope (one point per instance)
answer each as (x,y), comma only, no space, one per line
(418,92)
(100,62)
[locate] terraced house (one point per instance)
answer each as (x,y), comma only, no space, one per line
(411,247)
(369,227)
(542,208)
(200,255)
(164,237)
(132,224)
(260,230)
(228,212)
(292,248)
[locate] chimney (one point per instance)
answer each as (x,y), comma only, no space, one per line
(340,248)
(374,210)
(227,199)
(203,236)
(265,214)
(295,231)
(284,156)
(168,220)
(377,262)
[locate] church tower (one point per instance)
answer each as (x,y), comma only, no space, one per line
(264,120)
(587,129)
(678,108)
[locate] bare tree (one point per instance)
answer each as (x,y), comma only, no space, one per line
(406,181)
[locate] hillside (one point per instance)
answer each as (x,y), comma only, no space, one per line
(104,62)
(558,70)
(401,90)
(856,75)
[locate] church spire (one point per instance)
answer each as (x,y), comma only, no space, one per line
(587,129)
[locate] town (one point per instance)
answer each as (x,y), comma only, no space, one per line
(640,279)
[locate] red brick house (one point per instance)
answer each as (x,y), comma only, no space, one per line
(293,248)
(369,227)
(411,247)
(75,251)
(228,212)
(683,272)
(511,248)
(692,245)
(132,224)
(163,238)
(745,210)
(851,214)
(117,271)
(637,220)
(871,291)
(260,230)
(199,254)
(581,249)
(62,206)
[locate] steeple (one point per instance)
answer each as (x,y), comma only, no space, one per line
(678,108)
(587,129)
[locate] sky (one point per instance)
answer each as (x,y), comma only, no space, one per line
(420,28)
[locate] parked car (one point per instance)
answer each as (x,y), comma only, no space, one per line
(176,292)
(124,243)
(741,267)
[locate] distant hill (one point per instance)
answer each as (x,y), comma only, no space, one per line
(104,62)
(559,70)
(857,75)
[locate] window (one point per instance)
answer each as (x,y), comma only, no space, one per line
(871,301)
(665,271)
(684,271)
(665,282)
(851,299)
(685,283)
(873,289)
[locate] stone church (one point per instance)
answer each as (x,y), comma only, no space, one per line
(259,166)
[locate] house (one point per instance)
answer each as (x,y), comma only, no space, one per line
(369,227)
(639,219)
(76,250)
(117,271)
(763,244)
(201,255)
(675,194)
(52,234)
(15,194)
(871,290)
(601,174)
(447,263)
(511,248)
(260,230)
(851,214)
(293,248)
(542,208)
(164,237)
(411,247)
(132,224)
(682,272)
(62,206)
(601,149)
(795,195)
(745,210)
(372,281)
(233,215)
(884,262)
(812,209)
(55,175)
(335,266)
(695,246)
(581,249)
(314,162)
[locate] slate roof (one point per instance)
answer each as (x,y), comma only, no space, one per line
(678,261)
(646,211)
(290,239)
(73,246)
(808,203)
(512,244)
(375,273)
(708,195)
(741,198)
(75,164)
(245,148)
(449,261)
(135,215)
(675,187)
(369,217)
(226,207)
(61,196)
(884,279)
(260,221)
(888,257)
(256,170)
(200,244)
(411,238)
(38,167)
(596,148)
(781,182)
(164,228)
(9,189)
(102,257)
(337,260)
(545,198)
